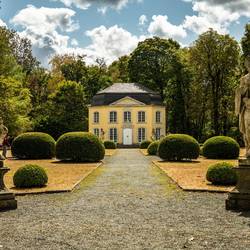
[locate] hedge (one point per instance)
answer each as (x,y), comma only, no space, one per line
(222,173)
(177,147)
(109,145)
(153,148)
(79,147)
(30,176)
(145,144)
(221,147)
(33,145)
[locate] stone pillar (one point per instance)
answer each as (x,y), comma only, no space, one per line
(7,199)
(239,198)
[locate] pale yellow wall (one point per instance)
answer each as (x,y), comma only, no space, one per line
(120,109)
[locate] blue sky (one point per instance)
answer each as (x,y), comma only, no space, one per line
(112,28)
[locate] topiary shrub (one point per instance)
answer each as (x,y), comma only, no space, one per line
(221,147)
(30,176)
(145,144)
(109,145)
(222,173)
(79,147)
(153,147)
(33,146)
(177,147)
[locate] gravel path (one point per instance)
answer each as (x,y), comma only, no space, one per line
(127,204)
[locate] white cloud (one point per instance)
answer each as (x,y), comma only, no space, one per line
(110,43)
(42,27)
(160,26)
(216,14)
(143,20)
(2,23)
(103,5)
(74,42)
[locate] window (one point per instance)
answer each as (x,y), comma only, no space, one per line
(97,132)
(158,117)
(141,116)
(113,117)
(113,134)
(96,117)
(157,133)
(127,116)
(141,134)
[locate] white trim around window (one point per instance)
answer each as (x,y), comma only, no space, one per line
(112,116)
(113,134)
(96,117)
(141,134)
(158,116)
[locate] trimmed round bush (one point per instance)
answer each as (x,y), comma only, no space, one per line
(153,147)
(30,176)
(222,173)
(221,147)
(33,145)
(177,147)
(79,147)
(109,145)
(145,144)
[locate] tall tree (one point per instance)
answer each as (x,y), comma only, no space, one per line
(156,63)
(66,110)
(245,42)
(15,105)
(118,70)
(214,59)
(152,63)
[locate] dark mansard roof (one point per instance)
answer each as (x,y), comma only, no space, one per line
(120,90)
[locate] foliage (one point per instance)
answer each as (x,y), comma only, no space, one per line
(153,148)
(245,42)
(67,110)
(221,147)
(118,70)
(214,59)
(177,147)
(152,63)
(222,174)
(33,145)
(157,63)
(109,145)
(145,144)
(15,105)
(79,147)
(30,176)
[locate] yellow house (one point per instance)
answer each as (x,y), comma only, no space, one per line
(127,113)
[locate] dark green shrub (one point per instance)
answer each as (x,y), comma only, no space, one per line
(177,147)
(79,147)
(221,147)
(145,144)
(30,176)
(153,147)
(222,173)
(109,145)
(33,146)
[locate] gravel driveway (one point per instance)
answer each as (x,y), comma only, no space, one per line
(126,204)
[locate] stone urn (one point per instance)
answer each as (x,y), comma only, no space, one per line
(7,199)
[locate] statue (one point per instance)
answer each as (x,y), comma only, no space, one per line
(242,106)
(3,133)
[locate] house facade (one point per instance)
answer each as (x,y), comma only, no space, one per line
(127,113)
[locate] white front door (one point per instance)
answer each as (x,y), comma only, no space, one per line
(127,136)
